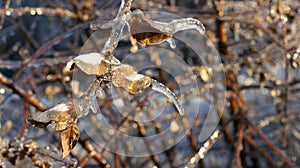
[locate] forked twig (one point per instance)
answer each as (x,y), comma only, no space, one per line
(204,149)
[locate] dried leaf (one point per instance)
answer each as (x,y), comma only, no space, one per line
(63,114)
(142,31)
(147,31)
(66,113)
(69,139)
(148,38)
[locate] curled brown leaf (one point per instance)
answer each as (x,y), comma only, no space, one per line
(69,139)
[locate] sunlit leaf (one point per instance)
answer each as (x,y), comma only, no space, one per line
(69,139)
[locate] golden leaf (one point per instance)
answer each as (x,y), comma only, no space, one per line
(69,138)
(148,38)
(142,31)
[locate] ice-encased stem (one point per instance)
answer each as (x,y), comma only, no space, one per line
(117,26)
(186,24)
(83,103)
(177,25)
(157,86)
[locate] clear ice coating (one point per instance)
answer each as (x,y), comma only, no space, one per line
(84,102)
(157,86)
(139,20)
(125,18)
(91,64)
(117,26)
(97,24)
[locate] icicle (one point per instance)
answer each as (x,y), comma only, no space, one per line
(167,92)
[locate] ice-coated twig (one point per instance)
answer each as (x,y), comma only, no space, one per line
(84,102)
(67,112)
(157,86)
(117,26)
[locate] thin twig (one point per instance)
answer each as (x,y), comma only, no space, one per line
(38,11)
(92,154)
(143,133)
(204,149)
(4,11)
(285,97)
(24,31)
(270,144)
(32,100)
(239,146)
(25,123)
(48,45)
(263,152)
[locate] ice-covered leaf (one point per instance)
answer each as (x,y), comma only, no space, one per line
(126,77)
(91,64)
(167,92)
(67,112)
(148,38)
(63,114)
(148,32)
(69,139)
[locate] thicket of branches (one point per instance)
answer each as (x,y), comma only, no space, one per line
(258,42)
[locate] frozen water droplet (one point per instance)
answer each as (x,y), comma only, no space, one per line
(157,86)
(171,42)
